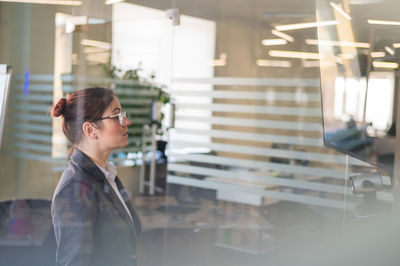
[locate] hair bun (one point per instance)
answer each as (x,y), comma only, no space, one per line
(59,108)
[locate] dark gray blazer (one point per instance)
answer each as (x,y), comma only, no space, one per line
(90,222)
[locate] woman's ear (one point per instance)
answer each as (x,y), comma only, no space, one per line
(89,130)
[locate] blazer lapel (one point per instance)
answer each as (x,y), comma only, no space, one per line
(89,167)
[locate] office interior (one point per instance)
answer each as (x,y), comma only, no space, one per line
(226,163)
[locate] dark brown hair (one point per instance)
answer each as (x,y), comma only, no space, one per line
(79,107)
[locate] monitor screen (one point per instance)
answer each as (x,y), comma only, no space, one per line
(357,75)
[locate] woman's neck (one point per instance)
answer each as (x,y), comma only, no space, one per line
(98,156)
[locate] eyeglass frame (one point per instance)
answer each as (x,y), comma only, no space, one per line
(120,115)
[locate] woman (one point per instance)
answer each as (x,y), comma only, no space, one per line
(93,224)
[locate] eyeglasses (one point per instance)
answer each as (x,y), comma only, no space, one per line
(120,116)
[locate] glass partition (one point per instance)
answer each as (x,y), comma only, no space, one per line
(225,162)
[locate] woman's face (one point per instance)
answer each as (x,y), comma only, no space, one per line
(112,134)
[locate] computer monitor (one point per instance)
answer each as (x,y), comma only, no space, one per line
(5,78)
(358,96)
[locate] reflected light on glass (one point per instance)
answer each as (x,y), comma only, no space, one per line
(385,64)
(110,2)
(273,63)
(268,42)
(389,50)
(377,54)
(384,22)
(311,63)
(293,54)
(306,25)
(347,56)
(337,43)
(341,11)
(47,2)
(282,35)
(100,44)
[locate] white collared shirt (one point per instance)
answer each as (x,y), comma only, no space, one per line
(111,172)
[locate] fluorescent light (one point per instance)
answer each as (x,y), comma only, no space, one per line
(110,2)
(47,2)
(218,62)
(341,11)
(385,64)
(389,50)
(306,25)
(293,54)
(273,63)
(104,45)
(283,35)
(384,22)
(396,45)
(267,42)
(337,43)
(377,54)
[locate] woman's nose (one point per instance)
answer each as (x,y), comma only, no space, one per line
(127,122)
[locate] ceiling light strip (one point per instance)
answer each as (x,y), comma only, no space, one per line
(294,54)
(268,42)
(306,25)
(282,35)
(46,2)
(337,43)
(340,10)
(384,22)
(379,64)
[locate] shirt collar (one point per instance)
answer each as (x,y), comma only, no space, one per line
(110,172)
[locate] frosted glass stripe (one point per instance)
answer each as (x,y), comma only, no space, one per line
(278,153)
(98,80)
(36,88)
(32,118)
(286,168)
(30,146)
(260,192)
(137,111)
(260,123)
(228,81)
(270,138)
(31,136)
(256,109)
(136,101)
(137,93)
(33,97)
(252,95)
(28,107)
(39,157)
(36,77)
(260,179)
(31,127)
